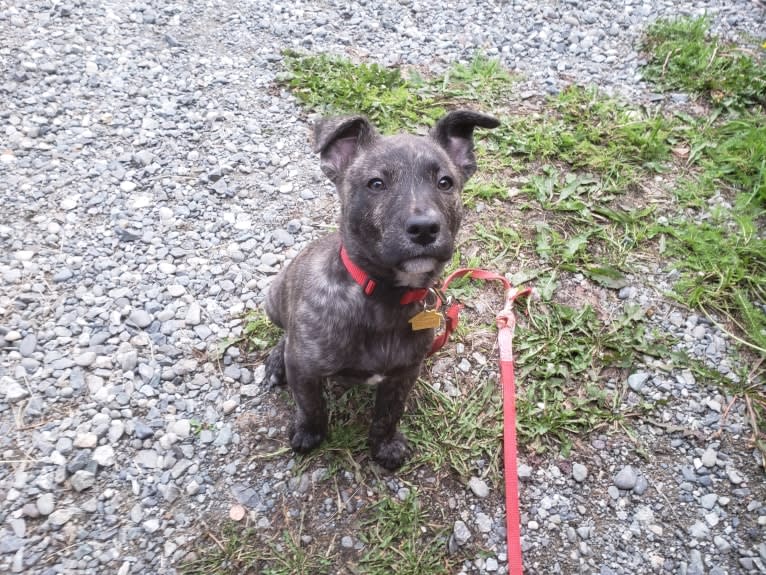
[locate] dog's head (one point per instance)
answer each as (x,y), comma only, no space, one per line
(400,195)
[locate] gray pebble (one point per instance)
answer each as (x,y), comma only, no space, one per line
(699,530)
(461,533)
(478,487)
(232,371)
(641,485)
(104,455)
(28,345)
(579,472)
(140,318)
(10,543)
(483,522)
(141,430)
(637,380)
(734,476)
(283,237)
(708,501)
(193,314)
(61,516)
(15,392)
(85,359)
(625,479)
(524,471)
(45,504)
(63,275)
(709,457)
(82,480)
(224,435)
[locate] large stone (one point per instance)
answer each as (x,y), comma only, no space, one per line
(579,472)
(140,318)
(14,391)
(45,504)
(104,455)
(637,381)
(461,532)
(478,487)
(28,345)
(82,480)
(86,440)
(626,478)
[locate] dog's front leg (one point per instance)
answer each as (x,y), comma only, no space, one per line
(310,425)
(388,446)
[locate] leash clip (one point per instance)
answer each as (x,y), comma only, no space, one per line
(434,299)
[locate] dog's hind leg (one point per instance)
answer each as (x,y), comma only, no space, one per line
(275,365)
(388,446)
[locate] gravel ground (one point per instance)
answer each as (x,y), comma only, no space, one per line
(154,179)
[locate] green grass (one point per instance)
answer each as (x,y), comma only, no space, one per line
(745,386)
(483,80)
(447,433)
(562,354)
(348,418)
(478,189)
(498,241)
(455,432)
(401,541)
(732,153)
(242,551)
(335,85)
(587,132)
(259,332)
(723,265)
(684,56)
(719,251)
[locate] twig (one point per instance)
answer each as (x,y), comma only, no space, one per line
(665,64)
(715,51)
(730,334)
(756,430)
(217,542)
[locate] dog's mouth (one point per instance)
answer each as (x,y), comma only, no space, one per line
(421,265)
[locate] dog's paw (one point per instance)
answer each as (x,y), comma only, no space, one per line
(392,453)
(303,439)
(275,367)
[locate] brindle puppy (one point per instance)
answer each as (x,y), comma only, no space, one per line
(400,212)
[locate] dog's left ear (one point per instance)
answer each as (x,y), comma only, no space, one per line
(337,140)
(454,132)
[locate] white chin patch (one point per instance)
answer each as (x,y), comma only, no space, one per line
(416,272)
(418,265)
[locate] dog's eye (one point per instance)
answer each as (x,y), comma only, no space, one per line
(376,185)
(444,183)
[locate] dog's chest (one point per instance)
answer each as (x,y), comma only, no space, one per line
(381,352)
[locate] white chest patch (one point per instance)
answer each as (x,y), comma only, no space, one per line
(374,379)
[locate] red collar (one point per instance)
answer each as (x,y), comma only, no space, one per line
(368,284)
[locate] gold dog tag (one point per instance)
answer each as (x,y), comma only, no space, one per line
(426,319)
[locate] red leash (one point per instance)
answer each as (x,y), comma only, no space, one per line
(506,325)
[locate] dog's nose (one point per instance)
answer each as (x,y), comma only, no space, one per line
(423,229)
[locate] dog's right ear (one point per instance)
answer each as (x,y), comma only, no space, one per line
(337,140)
